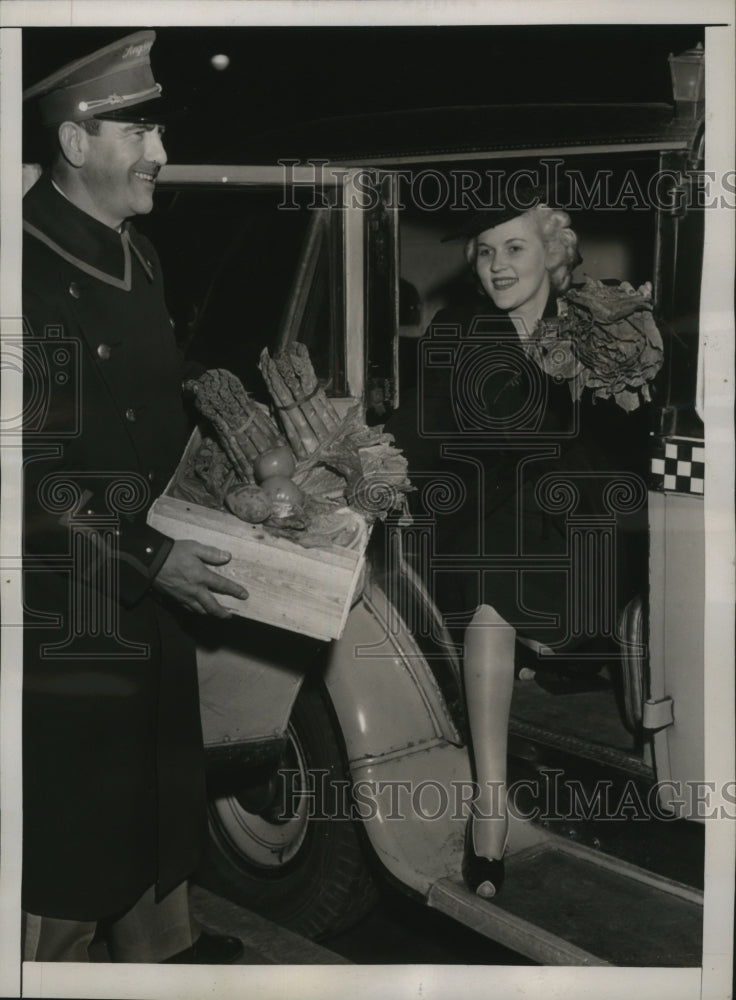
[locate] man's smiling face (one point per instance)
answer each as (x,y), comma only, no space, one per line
(120,167)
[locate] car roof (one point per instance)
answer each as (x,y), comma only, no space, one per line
(469,131)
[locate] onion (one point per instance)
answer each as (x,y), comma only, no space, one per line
(249,503)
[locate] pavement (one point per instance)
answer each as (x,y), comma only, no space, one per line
(265,943)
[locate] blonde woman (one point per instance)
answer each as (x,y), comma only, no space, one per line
(500,423)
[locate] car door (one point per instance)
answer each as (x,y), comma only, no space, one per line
(673,711)
(259,257)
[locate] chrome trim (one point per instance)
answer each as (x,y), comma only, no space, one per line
(508,154)
(239,174)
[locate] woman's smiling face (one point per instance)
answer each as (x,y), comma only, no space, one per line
(511,264)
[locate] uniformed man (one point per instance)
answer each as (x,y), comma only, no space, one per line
(114,799)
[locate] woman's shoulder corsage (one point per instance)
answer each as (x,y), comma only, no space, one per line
(604,338)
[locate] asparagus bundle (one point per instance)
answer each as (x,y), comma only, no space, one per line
(243,426)
(337,456)
(307,415)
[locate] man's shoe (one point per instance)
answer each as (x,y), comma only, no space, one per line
(209,949)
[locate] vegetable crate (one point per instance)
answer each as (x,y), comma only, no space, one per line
(305,590)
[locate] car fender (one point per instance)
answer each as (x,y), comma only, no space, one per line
(385,696)
(249,678)
(407,760)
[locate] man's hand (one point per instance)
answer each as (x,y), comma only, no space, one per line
(185,577)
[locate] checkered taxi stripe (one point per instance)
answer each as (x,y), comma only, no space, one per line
(678,466)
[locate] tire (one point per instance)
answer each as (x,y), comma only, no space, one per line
(304,872)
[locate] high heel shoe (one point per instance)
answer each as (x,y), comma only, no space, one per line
(483,876)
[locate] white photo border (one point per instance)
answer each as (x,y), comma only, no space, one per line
(429,982)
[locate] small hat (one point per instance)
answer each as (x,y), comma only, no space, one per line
(477,222)
(105,84)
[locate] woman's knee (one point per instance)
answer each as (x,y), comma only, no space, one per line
(485,615)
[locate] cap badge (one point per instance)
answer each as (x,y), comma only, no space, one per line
(134,51)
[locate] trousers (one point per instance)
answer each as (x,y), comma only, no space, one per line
(148,932)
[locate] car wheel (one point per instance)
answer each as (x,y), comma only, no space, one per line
(298,860)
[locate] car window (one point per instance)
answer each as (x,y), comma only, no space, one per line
(243,273)
(612,201)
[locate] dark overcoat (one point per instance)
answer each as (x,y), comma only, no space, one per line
(507,467)
(112,747)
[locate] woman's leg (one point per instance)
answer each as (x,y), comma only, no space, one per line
(489,677)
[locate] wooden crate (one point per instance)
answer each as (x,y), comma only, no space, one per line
(306,590)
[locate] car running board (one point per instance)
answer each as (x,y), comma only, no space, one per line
(564,904)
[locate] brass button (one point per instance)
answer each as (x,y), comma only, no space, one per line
(74,290)
(149,550)
(104,351)
(130,414)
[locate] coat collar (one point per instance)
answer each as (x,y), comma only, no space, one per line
(79,239)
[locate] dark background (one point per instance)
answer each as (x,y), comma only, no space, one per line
(279,78)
